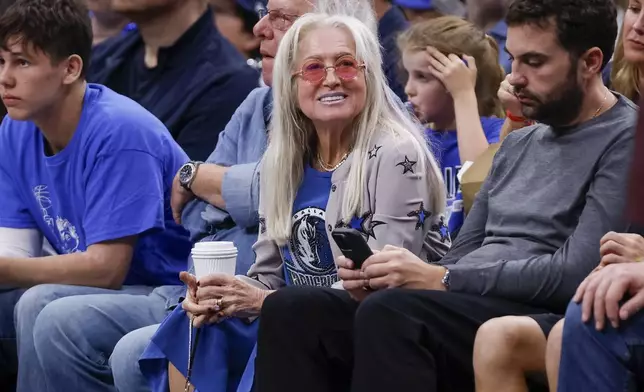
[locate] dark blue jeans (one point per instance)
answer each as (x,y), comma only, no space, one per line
(607,361)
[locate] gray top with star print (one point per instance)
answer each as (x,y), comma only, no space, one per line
(394,212)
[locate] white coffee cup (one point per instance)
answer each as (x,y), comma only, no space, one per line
(214,257)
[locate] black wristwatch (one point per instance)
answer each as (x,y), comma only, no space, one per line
(188,173)
(445,280)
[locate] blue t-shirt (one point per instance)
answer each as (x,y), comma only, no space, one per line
(444,144)
(112,180)
(307,256)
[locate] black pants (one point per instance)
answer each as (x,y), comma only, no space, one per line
(319,340)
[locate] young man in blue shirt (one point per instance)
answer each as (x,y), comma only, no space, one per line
(89,171)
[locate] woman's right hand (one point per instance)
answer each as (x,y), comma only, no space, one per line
(508,99)
(353,281)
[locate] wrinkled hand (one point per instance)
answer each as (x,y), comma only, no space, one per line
(602,291)
(621,248)
(398,267)
(179,198)
(229,297)
(509,101)
(190,304)
(457,76)
(353,281)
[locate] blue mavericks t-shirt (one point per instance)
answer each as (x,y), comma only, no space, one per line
(444,144)
(112,180)
(307,256)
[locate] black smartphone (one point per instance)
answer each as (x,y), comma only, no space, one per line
(353,245)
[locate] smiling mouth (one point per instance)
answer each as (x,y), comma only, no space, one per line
(329,99)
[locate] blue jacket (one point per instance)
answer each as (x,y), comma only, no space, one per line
(240,188)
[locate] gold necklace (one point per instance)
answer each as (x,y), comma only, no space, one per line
(602,105)
(328,168)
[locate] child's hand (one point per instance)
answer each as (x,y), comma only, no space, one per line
(509,101)
(458,75)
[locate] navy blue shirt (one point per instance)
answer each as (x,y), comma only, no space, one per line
(390,26)
(194,90)
(113,180)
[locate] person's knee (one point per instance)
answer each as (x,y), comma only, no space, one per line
(501,340)
(124,360)
(32,302)
(376,307)
(60,331)
(291,303)
(574,323)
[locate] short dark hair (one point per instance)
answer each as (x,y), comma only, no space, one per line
(59,28)
(580,24)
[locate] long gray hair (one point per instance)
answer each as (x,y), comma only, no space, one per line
(292,133)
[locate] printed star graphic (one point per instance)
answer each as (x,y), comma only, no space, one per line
(441,228)
(421,214)
(365,224)
(262,225)
(373,153)
(408,166)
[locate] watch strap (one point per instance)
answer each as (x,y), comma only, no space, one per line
(445,280)
(188,185)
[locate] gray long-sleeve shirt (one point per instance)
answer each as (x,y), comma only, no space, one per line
(533,232)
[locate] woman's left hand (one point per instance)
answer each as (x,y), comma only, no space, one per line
(458,75)
(229,297)
(398,267)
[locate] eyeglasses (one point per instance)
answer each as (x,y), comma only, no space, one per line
(314,71)
(277,19)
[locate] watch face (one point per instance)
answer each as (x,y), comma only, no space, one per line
(186,173)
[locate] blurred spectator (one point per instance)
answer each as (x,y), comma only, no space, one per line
(105,23)
(418,10)
(626,69)
(235,20)
(90,171)
(489,15)
(177,65)
(391,22)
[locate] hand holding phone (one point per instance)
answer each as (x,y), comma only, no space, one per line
(352,245)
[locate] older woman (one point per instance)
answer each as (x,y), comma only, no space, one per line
(343,153)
